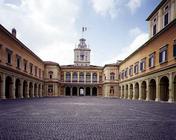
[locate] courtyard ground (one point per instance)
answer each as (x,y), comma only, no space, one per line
(86,118)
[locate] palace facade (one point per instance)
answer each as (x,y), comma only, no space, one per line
(149,73)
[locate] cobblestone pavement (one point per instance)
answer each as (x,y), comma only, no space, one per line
(86,118)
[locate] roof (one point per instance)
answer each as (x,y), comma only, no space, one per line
(19,42)
(81,67)
(156,9)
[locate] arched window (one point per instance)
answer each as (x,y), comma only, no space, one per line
(88,77)
(81,77)
(75,76)
(50,73)
(112,76)
(94,77)
(112,90)
(68,76)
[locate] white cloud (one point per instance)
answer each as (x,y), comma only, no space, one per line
(47,28)
(136,43)
(105,7)
(135,32)
(134,4)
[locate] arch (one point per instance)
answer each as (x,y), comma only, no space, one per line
(25,89)
(39,90)
(131,91)
(35,90)
(94,91)
(94,77)
(143,90)
(87,91)
(75,77)
(81,77)
(81,91)
(164,88)
(136,91)
(88,75)
(126,94)
(67,91)
(175,88)
(152,89)
(122,91)
(68,76)
(8,87)
(17,88)
(74,91)
(30,89)
(111,91)
(112,76)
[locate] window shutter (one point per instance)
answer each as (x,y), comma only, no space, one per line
(160,57)
(174,50)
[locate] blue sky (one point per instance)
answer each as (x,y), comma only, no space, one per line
(51,28)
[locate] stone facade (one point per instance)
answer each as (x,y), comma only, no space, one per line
(149,73)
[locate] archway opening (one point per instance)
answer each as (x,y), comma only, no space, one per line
(81,91)
(175,88)
(126,94)
(30,89)
(143,87)
(136,91)
(164,88)
(122,91)
(152,89)
(67,91)
(35,90)
(17,88)
(8,87)
(94,91)
(88,91)
(131,91)
(25,89)
(39,90)
(111,91)
(74,92)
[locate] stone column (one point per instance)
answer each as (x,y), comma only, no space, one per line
(98,77)
(3,86)
(33,90)
(157,89)
(173,10)
(160,20)
(134,92)
(71,79)
(71,91)
(149,29)
(27,92)
(21,88)
(121,92)
(13,88)
(84,77)
(125,92)
(40,90)
(91,77)
(129,92)
(147,91)
(78,77)
(171,88)
(140,90)
(90,91)
(64,76)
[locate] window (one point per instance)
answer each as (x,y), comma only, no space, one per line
(94,77)
(36,70)
(142,64)
(18,61)
(163,54)
(88,77)
(154,29)
(50,73)
(174,49)
(112,76)
(31,67)
(152,60)
(166,19)
(122,74)
(9,56)
(39,73)
(131,70)
(25,65)
(81,77)
(68,76)
(136,68)
(75,77)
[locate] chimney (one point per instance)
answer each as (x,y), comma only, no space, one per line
(14,32)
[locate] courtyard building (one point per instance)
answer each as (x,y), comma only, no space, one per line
(149,73)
